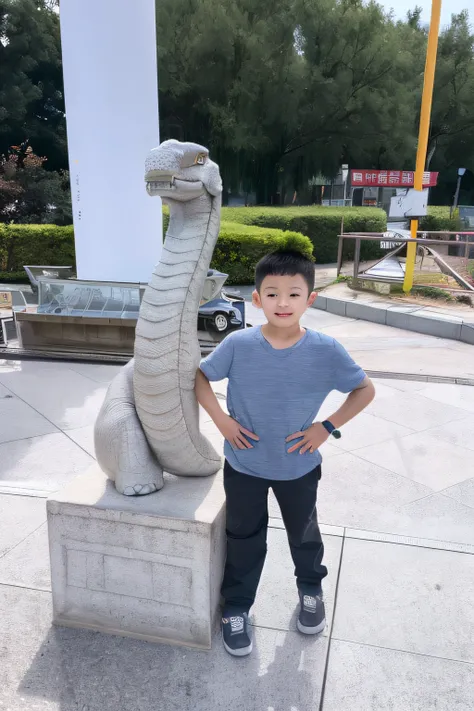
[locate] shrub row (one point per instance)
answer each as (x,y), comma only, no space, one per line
(438,219)
(33,244)
(238,249)
(321,224)
(247,233)
(14,277)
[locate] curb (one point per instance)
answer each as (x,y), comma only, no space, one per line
(418,377)
(410,318)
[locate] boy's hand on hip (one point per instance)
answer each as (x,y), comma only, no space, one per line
(234,433)
(312,439)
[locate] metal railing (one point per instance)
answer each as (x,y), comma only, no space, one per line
(382,237)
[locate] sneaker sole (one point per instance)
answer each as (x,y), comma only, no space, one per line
(239,652)
(311,630)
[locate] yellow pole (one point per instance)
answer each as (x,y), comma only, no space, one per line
(425,116)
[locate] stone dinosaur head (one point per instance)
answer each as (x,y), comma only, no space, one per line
(181,171)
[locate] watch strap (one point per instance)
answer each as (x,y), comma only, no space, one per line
(328,426)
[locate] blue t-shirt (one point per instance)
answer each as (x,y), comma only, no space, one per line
(275,393)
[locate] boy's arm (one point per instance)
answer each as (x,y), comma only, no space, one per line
(356,401)
(207,398)
(316,435)
(228,427)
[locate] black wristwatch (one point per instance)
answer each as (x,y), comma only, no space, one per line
(331,429)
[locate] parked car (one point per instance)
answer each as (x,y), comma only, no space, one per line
(222,314)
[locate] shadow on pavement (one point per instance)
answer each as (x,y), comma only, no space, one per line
(77,670)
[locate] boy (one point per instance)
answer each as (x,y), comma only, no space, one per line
(279,376)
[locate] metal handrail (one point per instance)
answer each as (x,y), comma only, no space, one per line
(378,236)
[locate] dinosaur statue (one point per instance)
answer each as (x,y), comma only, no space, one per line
(149,422)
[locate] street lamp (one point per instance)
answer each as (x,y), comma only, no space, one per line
(461,172)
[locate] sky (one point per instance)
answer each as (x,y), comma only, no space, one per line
(448,7)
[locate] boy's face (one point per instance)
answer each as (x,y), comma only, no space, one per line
(284,299)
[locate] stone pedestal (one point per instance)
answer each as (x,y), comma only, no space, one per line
(146,567)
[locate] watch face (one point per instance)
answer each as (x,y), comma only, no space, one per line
(336,434)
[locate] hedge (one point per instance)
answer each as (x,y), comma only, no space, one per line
(321,224)
(240,243)
(238,249)
(166,218)
(240,246)
(33,244)
(438,219)
(14,277)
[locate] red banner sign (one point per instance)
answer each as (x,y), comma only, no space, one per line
(390,178)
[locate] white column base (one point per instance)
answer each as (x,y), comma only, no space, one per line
(145,567)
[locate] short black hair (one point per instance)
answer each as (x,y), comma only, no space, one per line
(285,263)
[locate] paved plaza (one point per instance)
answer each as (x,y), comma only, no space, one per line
(396,505)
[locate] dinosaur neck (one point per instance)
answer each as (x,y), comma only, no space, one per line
(189,244)
(171,301)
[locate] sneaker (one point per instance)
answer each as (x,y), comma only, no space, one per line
(312,617)
(237,634)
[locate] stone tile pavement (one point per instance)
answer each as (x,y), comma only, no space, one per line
(396,505)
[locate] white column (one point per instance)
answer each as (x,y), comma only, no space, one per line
(111,90)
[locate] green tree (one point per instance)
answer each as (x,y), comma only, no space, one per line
(283,96)
(31,194)
(226,78)
(452,127)
(281,93)
(357,101)
(31,83)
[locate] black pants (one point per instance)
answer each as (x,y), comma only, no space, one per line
(247,522)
